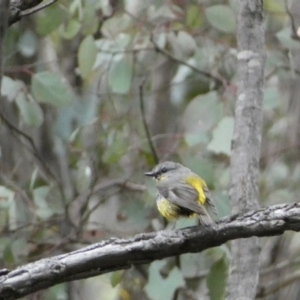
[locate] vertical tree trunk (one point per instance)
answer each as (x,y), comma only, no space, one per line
(244,268)
(162,113)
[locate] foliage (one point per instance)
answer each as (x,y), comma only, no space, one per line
(73,75)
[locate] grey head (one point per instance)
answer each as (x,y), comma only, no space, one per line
(165,168)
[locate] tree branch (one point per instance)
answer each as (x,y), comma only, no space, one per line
(115,254)
(21,8)
(217,79)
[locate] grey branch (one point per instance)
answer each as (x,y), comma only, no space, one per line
(116,254)
(21,8)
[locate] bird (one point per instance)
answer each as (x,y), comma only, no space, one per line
(182,193)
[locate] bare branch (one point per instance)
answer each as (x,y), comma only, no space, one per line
(150,142)
(294,28)
(276,285)
(217,79)
(21,8)
(37,8)
(116,254)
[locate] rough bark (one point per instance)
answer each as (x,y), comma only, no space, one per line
(115,254)
(244,267)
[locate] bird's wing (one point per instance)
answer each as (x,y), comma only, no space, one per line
(209,201)
(183,195)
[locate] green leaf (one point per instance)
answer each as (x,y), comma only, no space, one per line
(221,17)
(193,16)
(28,43)
(57,292)
(51,88)
(49,19)
(8,256)
(20,249)
(183,44)
(285,38)
(11,88)
(137,213)
(7,201)
(87,54)
(31,112)
(192,264)
(170,284)
(271,98)
(116,277)
(275,6)
(117,148)
(3,219)
(222,136)
(120,75)
(216,279)
(39,197)
(195,139)
(70,30)
(202,113)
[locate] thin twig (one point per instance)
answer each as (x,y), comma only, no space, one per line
(280,266)
(33,149)
(277,285)
(150,142)
(37,8)
(295,35)
(217,80)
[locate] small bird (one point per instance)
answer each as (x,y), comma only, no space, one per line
(181,193)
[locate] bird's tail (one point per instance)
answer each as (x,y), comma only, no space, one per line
(205,218)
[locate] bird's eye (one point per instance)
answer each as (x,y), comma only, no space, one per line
(164,170)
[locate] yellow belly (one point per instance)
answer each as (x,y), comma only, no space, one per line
(171,211)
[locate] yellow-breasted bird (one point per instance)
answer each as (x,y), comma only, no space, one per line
(181,193)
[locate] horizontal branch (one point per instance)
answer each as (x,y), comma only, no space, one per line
(115,254)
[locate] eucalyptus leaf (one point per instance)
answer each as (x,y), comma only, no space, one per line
(28,43)
(285,38)
(194,17)
(51,88)
(69,31)
(271,98)
(49,19)
(202,113)
(170,284)
(40,199)
(116,277)
(11,88)
(221,17)
(31,112)
(222,136)
(216,279)
(120,75)
(87,54)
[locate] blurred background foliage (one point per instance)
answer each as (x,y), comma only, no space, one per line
(81,80)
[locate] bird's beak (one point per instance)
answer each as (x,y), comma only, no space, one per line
(150,174)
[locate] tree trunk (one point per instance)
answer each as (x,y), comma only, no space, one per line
(244,268)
